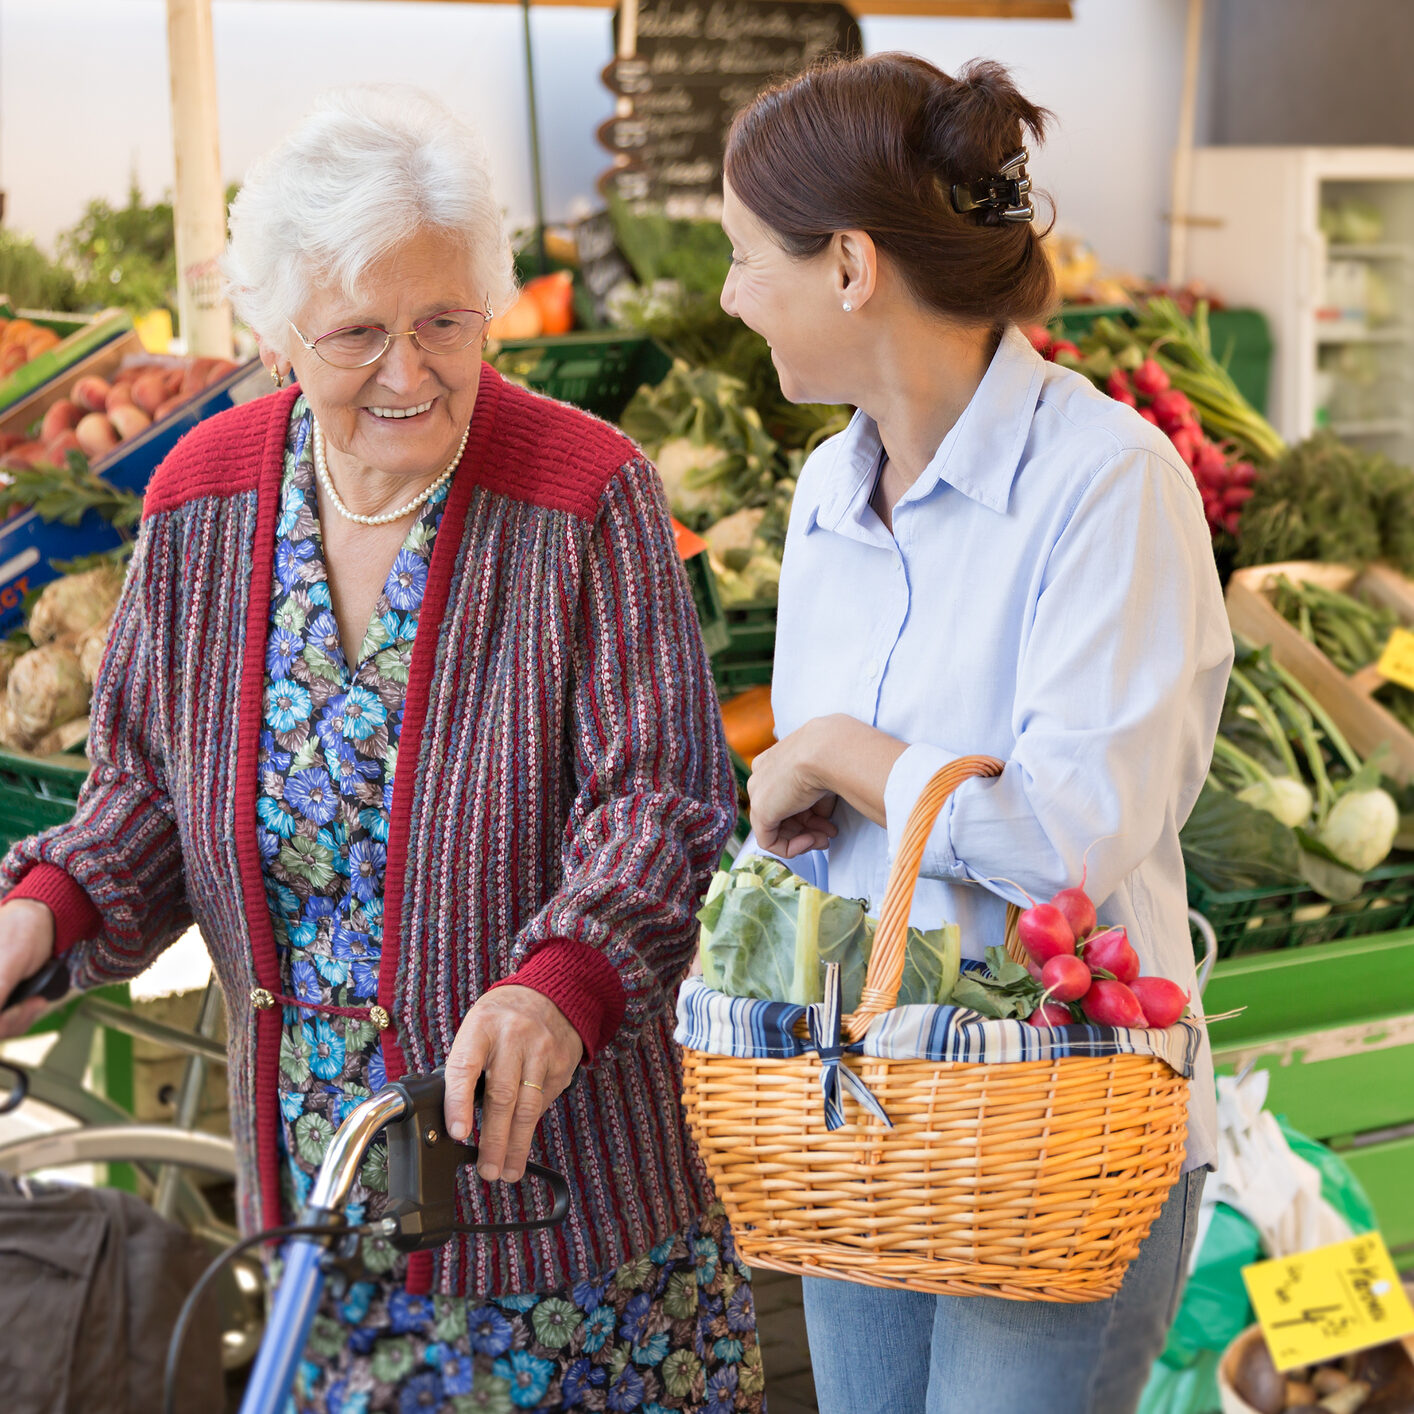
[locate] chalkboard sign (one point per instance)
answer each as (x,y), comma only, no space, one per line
(697,63)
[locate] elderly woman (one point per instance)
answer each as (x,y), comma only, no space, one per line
(406,707)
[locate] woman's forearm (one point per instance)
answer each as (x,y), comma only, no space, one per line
(852,760)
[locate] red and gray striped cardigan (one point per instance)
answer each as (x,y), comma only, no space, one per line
(564,792)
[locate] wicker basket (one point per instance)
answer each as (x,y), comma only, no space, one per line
(1035,1180)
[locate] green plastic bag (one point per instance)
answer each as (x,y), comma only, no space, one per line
(1215,1309)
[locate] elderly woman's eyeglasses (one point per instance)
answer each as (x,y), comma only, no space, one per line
(358,345)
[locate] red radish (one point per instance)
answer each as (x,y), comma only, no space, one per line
(1065,978)
(1185,441)
(1117,384)
(1077,909)
(1148,415)
(1051,1014)
(1232,521)
(1112,1004)
(1044,931)
(1235,497)
(1111,952)
(1149,379)
(1126,397)
(1210,462)
(1172,406)
(1039,336)
(1163,1002)
(1242,473)
(1065,346)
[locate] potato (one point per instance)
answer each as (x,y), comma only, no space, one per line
(1257,1380)
(46,687)
(168,407)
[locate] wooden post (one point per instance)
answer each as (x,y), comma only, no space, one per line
(1183,150)
(200,199)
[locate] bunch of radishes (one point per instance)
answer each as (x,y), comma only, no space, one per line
(1140,382)
(1224,479)
(1091,973)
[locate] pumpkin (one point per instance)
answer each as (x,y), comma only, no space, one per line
(749,724)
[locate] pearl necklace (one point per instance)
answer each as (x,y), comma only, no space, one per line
(322,470)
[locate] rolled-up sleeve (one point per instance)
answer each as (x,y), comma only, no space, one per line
(655,797)
(1121,678)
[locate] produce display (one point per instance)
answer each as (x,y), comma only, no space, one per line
(47,674)
(98,415)
(1324,500)
(1352,632)
(1163,365)
(1287,801)
(22,340)
(1379,1380)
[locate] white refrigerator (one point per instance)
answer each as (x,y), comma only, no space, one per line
(1321,240)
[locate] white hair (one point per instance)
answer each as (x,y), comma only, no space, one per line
(369,167)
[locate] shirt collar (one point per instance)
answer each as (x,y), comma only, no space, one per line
(979,457)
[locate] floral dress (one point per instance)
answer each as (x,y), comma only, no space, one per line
(674,1329)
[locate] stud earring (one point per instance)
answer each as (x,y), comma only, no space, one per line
(847,306)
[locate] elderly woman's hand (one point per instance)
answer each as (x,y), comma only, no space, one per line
(26,944)
(528,1050)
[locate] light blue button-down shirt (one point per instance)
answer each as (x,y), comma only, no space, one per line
(1048,596)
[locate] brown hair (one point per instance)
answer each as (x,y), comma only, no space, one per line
(875,144)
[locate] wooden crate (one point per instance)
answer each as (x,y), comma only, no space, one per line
(18,419)
(1349,700)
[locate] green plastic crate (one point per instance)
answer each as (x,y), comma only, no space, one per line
(707,601)
(750,650)
(1261,920)
(36,794)
(598,372)
(1240,338)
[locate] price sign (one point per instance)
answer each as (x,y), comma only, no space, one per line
(1329,1301)
(1397,661)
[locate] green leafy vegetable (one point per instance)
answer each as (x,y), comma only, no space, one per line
(766,934)
(1004,989)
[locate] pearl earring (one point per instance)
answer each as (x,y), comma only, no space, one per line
(847,306)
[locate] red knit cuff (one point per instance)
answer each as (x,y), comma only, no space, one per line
(582,982)
(75,917)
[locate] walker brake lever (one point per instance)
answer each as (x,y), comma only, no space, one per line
(51,982)
(424,1163)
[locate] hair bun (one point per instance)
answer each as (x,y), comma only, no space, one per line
(979,120)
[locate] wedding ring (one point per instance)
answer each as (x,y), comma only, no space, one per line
(532,1085)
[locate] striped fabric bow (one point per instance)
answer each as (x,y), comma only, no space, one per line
(823,1019)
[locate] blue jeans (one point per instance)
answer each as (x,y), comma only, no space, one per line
(879,1351)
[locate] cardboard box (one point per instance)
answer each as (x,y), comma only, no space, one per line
(1349,700)
(28,545)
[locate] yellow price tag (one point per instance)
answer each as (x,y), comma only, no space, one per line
(1397,661)
(1329,1301)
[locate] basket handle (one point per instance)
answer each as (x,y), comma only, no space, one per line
(885,971)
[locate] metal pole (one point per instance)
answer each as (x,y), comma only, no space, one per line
(1183,152)
(541,262)
(200,198)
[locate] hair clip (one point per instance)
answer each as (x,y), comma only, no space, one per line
(1006,193)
